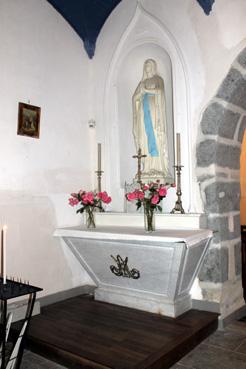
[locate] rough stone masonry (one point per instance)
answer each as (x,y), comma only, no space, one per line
(218,172)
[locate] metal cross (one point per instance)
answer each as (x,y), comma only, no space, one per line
(139,156)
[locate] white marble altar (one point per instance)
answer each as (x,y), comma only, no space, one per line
(166,262)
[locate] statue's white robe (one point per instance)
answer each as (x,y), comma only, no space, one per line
(157,165)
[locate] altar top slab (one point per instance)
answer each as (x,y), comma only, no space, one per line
(126,233)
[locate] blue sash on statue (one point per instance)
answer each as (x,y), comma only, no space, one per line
(152,147)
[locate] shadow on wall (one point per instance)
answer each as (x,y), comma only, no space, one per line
(32,252)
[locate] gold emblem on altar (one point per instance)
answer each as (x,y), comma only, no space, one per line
(122,269)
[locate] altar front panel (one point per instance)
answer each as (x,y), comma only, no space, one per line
(157,264)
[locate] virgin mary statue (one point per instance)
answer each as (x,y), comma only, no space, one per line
(149,124)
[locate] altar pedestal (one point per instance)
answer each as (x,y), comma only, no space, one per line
(152,272)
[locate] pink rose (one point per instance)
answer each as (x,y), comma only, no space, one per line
(104,197)
(145,187)
(100,195)
(90,197)
(84,199)
(140,195)
(73,201)
(75,195)
(155,199)
(131,196)
(163,191)
(108,200)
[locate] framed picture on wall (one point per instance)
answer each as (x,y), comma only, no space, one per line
(28,120)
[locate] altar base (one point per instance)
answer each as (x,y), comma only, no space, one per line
(144,301)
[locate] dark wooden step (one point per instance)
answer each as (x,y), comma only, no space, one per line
(83,333)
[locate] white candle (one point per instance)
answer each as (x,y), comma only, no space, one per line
(178,150)
(99,157)
(4,252)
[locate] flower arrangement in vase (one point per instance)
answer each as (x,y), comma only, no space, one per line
(89,201)
(149,196)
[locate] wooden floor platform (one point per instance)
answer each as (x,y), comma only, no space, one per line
(83,333)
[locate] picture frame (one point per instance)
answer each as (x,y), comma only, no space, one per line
(28,120)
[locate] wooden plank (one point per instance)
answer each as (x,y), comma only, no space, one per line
(83,333)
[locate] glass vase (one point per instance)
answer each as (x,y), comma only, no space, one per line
(89,218)
(149,219)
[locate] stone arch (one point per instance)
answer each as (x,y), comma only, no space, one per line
(218,171)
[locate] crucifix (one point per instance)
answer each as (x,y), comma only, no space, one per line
(139,156)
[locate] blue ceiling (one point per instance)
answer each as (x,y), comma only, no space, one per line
(88,16)
(206,5)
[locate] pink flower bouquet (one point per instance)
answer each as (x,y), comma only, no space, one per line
(89,200)
(150,196)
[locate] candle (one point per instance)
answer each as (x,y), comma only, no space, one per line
(4,233)
(178,153)
(99,157)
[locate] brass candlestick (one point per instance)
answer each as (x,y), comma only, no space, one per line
(99,179)
(99,183)
(178,208)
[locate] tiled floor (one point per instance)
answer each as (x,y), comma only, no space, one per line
(33,361)
(222,350)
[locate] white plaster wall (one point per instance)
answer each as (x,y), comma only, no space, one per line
(42,61)
(208,45)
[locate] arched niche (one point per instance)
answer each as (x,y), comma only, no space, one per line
(145,37)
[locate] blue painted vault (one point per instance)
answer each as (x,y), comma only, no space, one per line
(87,17)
